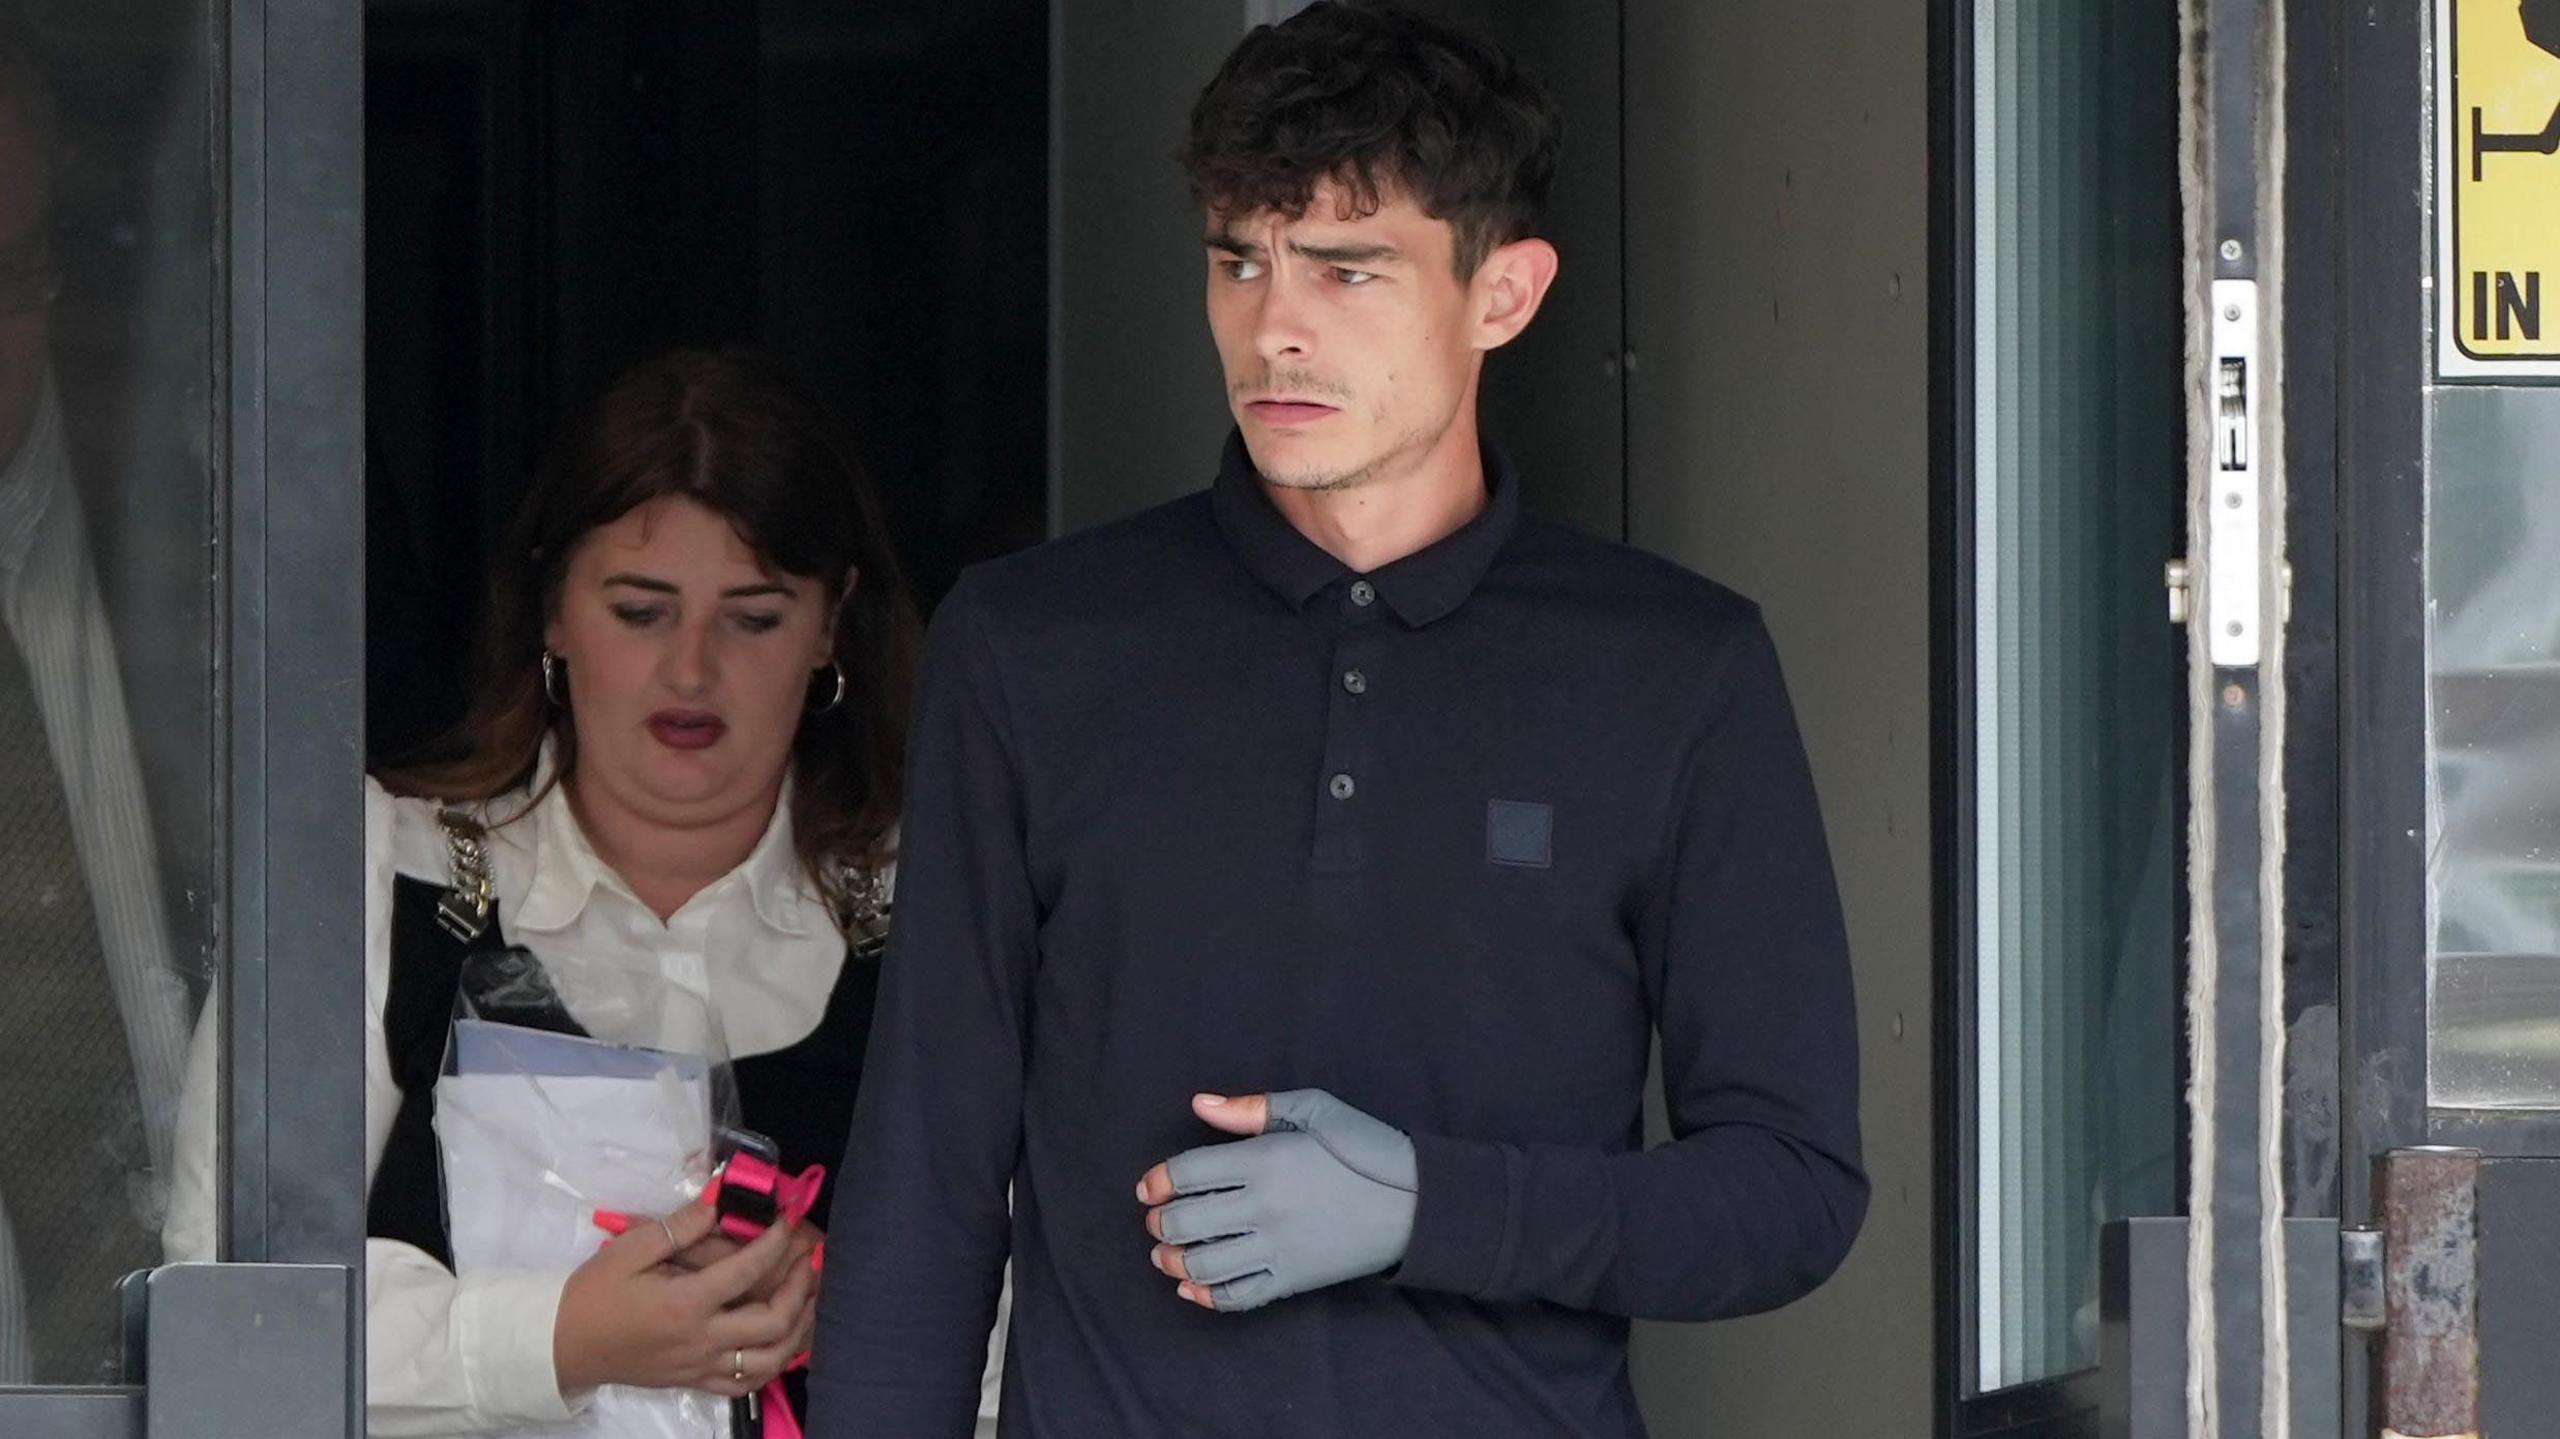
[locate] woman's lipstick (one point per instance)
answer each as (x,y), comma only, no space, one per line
(687,729)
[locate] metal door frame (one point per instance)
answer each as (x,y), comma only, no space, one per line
(291,688)
(2386,374)
(271,1340)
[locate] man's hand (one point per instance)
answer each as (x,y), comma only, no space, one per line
(1320,1193)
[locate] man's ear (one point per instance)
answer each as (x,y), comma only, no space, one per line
(1508,289)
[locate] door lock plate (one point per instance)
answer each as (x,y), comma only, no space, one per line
(2233,562)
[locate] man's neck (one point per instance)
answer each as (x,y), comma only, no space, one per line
(1372,525)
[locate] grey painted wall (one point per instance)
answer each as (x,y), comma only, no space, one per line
(1137,411)
(1778,441)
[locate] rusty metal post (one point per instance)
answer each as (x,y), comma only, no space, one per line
(2427,1368)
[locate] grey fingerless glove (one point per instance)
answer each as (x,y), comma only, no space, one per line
(1323,1195)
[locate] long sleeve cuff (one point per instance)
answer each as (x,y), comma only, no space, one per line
(503,1325)
(1464,1218)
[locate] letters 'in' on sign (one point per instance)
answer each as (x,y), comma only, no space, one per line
(2498,187)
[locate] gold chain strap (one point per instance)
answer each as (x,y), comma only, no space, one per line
(464,910)
(860,901)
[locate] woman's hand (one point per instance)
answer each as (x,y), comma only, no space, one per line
(805,1239)
(630,1316)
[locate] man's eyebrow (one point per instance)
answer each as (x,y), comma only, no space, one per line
(1346,254)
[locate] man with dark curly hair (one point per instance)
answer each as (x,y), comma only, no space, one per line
(1345,813)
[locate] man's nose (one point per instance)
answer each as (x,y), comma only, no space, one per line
(1280,329)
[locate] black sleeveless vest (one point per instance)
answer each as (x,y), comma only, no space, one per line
(800,1097)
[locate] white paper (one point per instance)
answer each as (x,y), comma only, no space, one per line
(529,1158)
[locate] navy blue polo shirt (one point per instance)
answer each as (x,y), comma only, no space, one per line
(1194,807)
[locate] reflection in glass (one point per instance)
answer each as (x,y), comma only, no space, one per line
(105,266)
(2493,600)
(2078,438)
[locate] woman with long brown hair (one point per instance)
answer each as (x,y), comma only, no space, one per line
(682,751)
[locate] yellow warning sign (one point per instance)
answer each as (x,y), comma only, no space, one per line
(2498,187)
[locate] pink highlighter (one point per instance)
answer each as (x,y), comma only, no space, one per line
(749,1193)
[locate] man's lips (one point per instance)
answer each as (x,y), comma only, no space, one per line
(686,729)
(1290,412)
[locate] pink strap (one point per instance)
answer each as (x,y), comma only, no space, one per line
(779,1421)
(794,1195)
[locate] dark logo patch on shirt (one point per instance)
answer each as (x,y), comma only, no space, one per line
(1519,833)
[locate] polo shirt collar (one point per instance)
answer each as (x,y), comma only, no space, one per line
(1421,588)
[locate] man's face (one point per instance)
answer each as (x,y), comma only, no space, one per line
(1347,343)
(26,258)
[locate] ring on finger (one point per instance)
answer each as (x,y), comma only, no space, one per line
(738,1366)
(673,1248)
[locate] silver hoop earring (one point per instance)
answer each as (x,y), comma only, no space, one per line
(836,700)
(550,676)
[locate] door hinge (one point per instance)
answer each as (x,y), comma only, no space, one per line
(2411,1284)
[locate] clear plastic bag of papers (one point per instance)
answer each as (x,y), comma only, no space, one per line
(571,1086)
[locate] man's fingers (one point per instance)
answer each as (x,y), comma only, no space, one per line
(1201,1217)
(1244,1116)
(1239,1116)
(1250,1292)
(1211,1166)
(1298,1109)
(1215,1264)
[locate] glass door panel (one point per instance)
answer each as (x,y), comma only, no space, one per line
(2078,438)
(108,859)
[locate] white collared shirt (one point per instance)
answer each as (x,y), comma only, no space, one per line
(473,1354)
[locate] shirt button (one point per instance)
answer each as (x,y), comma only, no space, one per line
(1355,682)
(1342,786)
(1363,593)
